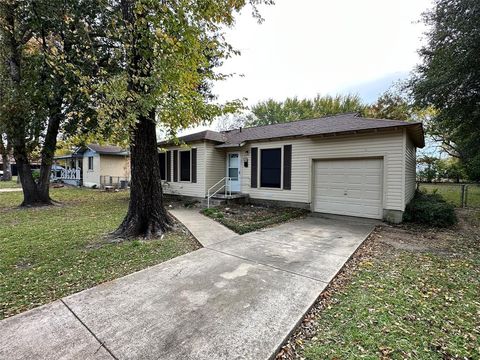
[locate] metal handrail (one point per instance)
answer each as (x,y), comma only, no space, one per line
(227,186)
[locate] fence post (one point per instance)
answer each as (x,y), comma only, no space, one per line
(462,198)
(466,196)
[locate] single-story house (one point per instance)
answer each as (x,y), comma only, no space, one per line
(34,164)
(342,164)
(94,165)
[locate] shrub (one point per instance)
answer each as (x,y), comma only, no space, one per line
(430,209)
(213,213)
(36,175)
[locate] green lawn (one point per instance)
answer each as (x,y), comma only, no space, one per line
(421,302)
(51,252)
(452,193)
(9,184)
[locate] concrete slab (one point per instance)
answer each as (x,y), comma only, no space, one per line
(298,259)
(203,305)
(204,229)
(335,236)
(48,332)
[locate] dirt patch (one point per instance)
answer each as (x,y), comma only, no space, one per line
(415,238)
(175,202)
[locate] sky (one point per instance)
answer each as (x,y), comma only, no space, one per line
(309,47)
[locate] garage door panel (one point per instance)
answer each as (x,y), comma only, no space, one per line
(349,187)
(355,179)
(373,179)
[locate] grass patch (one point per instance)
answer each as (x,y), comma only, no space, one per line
(247,218)
(9,184)
(421,303)
(51,252)
(452,193)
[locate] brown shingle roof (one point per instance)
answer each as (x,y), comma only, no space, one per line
(202,135)
(344,123)
(330,125)
(107,149)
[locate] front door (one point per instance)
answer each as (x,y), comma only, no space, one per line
(233,171)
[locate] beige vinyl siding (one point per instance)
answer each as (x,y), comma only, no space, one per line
(111,165)
(91,177)
(410,169)
(387,145)
(188,188)
(215,165)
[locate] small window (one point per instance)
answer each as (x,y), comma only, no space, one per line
(185,166)
(271,168)
(90,163)
(163,165)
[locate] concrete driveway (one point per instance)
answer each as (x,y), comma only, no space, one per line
(237,298)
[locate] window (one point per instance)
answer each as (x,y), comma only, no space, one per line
(90,163)
(163,165)
(271,167)
(184,165)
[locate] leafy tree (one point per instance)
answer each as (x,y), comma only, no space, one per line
(392,104)
(428,168)
(292,109)
(451,168)
(47,48)
(449,78)
(169,52)
(434,168)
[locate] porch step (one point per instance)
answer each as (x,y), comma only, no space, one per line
(232,196)
(222,199)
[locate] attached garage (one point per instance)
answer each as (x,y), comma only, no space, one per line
(351,187)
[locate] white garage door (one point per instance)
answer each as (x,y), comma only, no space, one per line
(349,187)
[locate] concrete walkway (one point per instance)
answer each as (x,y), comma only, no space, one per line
(7,190)
(205,230)
(237,298)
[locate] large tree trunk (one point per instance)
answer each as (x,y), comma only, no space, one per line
(31,195)
(49,147)
(146,215)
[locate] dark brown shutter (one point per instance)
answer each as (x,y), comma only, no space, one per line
(194,165)
(287,167)
(253,174)
(169,166)
(175,165)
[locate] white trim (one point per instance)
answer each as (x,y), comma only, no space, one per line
(404,165)
(227,175)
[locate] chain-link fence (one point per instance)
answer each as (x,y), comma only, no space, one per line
(116,182)
(460,195)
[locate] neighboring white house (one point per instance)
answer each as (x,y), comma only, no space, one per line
(94,165)
(342,164)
